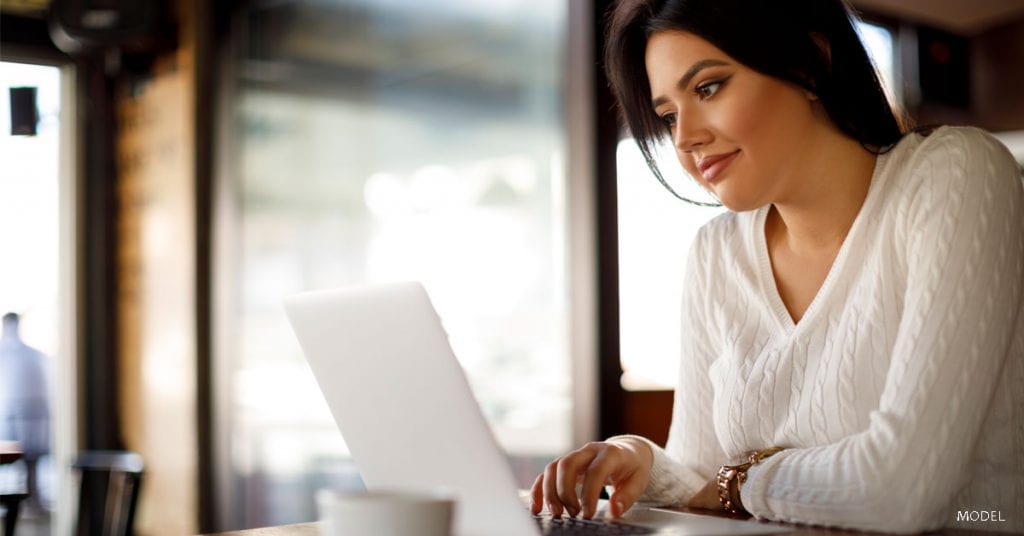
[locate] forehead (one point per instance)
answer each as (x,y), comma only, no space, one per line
(670,53)
(679,41)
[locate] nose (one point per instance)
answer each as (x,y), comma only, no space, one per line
(690,131)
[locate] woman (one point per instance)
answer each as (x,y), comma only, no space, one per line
(853,348)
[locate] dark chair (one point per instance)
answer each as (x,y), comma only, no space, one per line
(109,484)
(10,452)
(11,503)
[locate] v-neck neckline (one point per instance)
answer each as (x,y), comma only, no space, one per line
(766,274)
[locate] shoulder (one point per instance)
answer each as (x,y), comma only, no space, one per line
(950,136)
(718,238)
(723,228)
(973,145)
(955,152)
(951,163)
(723,245)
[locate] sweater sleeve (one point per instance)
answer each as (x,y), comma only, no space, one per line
(965,273)
(692,454)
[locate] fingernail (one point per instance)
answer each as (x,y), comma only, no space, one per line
(618,508)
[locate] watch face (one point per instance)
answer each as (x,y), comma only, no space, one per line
(727,482)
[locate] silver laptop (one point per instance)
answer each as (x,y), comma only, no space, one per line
(409,418)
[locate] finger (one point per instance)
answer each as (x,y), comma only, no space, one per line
(627,490)
(597,475)
(570,468)
(537,495)
(550,493)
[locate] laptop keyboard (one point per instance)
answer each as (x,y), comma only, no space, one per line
(557,526)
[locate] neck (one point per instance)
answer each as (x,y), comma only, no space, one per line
(814,217)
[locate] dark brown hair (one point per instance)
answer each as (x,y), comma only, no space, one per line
(810,43)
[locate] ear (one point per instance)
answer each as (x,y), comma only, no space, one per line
(825,50)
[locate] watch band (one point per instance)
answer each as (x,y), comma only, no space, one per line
(731,477)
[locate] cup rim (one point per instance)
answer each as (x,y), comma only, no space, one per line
(391,495)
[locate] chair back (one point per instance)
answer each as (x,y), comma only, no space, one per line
(109,490)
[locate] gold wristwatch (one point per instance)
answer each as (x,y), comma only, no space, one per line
(731,477)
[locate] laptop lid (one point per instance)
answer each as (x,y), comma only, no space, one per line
(402,401)
(405,408)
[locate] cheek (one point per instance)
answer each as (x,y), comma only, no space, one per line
(765,123)
(750,119)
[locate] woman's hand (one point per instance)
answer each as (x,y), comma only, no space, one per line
(624,463)
(707,497)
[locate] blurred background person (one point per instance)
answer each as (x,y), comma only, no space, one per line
(24,406)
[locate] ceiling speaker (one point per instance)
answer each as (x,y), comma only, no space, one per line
(81,27)
(24,113)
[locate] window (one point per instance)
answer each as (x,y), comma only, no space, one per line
(655,233)
(879,44)
(384,141)
(35,350)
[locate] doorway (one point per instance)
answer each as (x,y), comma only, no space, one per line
(36,278)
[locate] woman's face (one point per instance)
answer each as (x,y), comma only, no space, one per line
(740,133)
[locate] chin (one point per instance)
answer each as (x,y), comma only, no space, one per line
(738,203)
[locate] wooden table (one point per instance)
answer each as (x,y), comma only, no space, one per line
(10,452)
(313,529)
(302,529)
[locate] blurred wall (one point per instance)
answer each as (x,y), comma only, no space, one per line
(997,58)
(157,289)
(996,71)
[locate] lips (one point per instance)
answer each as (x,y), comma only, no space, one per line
(712,166)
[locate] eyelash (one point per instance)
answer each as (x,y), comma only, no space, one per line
(701,91)
(669,119)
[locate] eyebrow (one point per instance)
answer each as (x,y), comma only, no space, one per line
(684,80)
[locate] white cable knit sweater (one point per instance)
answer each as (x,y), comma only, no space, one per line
(900,393)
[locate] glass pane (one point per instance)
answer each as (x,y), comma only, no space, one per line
(382,141)
(655,233)
(30,342)
(878,42)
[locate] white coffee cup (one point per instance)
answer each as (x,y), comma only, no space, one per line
(385,513)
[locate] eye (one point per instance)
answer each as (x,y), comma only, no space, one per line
(669,119)
(708,89)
